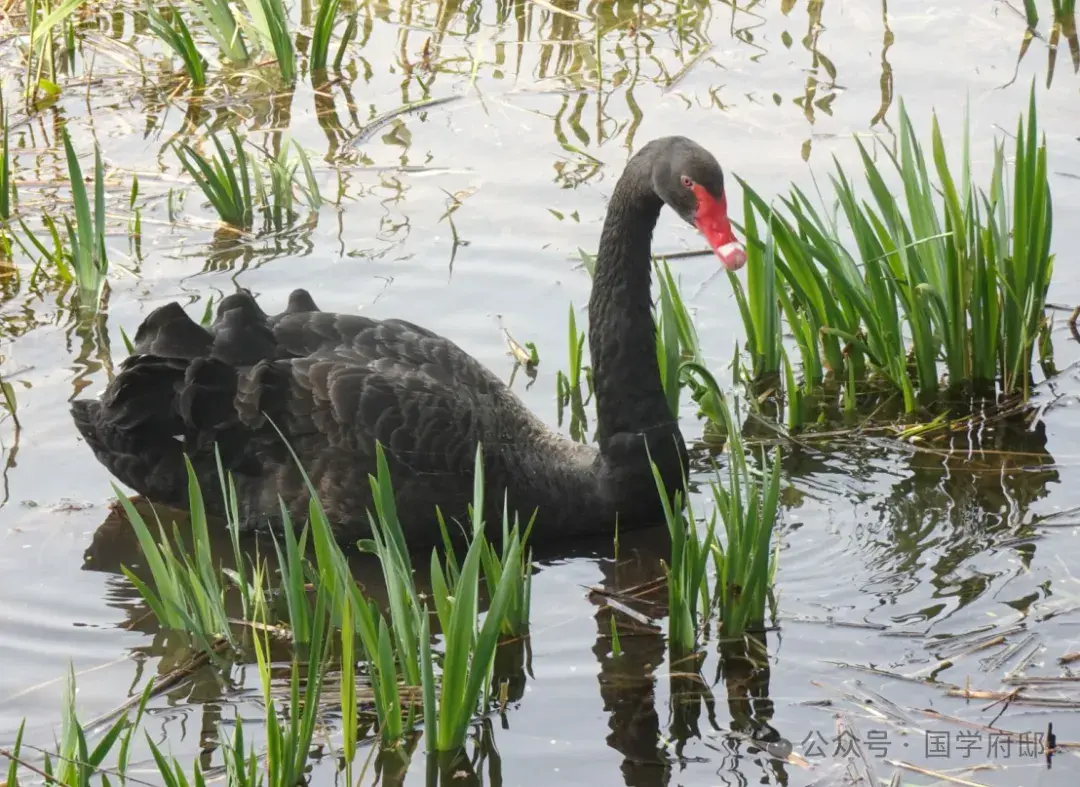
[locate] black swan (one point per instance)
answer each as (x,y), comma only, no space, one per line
(336,383)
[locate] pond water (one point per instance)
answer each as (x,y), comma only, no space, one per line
(888,554)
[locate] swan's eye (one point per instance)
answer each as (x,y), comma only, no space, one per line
(687,182)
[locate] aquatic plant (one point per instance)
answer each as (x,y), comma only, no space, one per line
(13,756)
(236,187)
(515,619)
(688,587)
(950,270)
(225,182)
(450,702)
(759,304)
(288,741)
(745,561)
(174,32)
(356,615)
(188,593)
(324,28)
(270,21)
(276,197)
(676,342)
(218,19)
(568,384)
(87,235)
(42,19)
(74,763)
(469,647)
(400,653)
(6,188)
(675,335)
(292,568)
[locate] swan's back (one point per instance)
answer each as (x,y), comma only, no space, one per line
(333,384)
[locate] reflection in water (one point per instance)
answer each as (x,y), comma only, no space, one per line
(1063,24)
(9,449)
(957,501)
(810,101)
(633,593)
(628,680)
(886,70)
(957,498)
(95,355)
(327,115)
(232,251)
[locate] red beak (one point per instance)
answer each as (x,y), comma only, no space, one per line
(712,221)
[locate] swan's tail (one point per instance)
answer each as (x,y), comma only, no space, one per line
(152,414)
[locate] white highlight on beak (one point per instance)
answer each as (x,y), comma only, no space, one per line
(733,255)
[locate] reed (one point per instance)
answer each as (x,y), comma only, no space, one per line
(42,19)
(450,702)
(515,619)
(358,617)
(568,384)
(469,645)
(240,186)
(176,35)
(1019,242)
(277,196)
(188,593)
(6,189)
(674,335)
(324,29)
(745,562)
(289,740)
(292,567)
(944,270)
(270,21)
(289,736)
(218,19)
(227,183)
(75,763)
(241,766)
(759,301)
(13,759)
(400,653)
(347,694)
(689,603)
(86,236)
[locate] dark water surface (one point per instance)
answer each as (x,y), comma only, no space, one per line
(887,554)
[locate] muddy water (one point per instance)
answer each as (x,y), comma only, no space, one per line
(886,554)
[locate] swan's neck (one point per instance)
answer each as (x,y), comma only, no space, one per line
(622,335)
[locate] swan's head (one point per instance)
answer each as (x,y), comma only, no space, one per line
(687,178)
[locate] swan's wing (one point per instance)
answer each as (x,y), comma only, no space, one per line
(418,394)
(240,333)
(353,337)
(333,384)
(168,332)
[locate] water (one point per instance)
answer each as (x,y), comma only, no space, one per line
(885,551)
